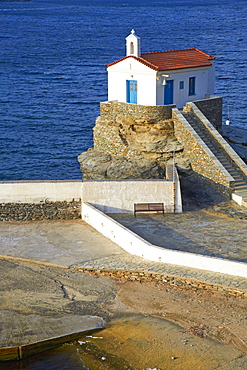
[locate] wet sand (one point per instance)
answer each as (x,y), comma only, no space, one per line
(146,324)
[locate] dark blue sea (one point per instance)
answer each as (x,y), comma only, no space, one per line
(52,69)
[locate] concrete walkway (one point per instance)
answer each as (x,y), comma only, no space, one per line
(76,244)
(195,232)
(62,243)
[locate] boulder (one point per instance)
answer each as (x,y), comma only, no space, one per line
(237,138)
(96,165)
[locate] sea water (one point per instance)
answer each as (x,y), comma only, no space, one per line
(53,56)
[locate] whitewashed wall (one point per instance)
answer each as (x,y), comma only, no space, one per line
(150,83)
(204,85)
(37,191)
(109,196)
(131,69)
(119,196)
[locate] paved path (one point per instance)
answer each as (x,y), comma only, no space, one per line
(74,243)
(57,242)
(196,232)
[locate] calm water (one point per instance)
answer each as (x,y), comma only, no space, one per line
(53,75)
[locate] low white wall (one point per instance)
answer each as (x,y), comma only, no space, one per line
(172,175)
(37,191)
(237,198)
(135,245)
(110,196)
(119,196)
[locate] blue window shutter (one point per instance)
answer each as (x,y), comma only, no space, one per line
(192,86)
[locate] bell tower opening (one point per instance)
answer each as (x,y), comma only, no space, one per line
(131,48)
(133,45)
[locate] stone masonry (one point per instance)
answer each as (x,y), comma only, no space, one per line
(40,211)
(131,141)
(197,152)
(135,131)
(212,109)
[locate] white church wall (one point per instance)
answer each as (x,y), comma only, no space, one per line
(211,80)
(150,82)
(204,84)
(131,69)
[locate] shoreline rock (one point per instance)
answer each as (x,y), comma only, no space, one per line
(237,138)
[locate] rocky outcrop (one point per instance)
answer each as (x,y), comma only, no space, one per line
(133,144)
(97,165)
(237,138)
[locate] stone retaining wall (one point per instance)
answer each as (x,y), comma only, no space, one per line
(143,276)
(40,211)
(40,200)
(110,109)
(229,151)
(212,109)
(117,121)
(203,161)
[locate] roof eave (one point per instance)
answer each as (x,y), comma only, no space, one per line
(187,67)
(139,59)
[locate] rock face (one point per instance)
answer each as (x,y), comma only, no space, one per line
(237,138)
(97,165)
(131,142)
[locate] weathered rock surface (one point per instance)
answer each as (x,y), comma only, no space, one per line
(130,146)
(237,138)
(151,136)
(96,165)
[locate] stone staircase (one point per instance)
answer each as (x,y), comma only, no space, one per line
(240,178)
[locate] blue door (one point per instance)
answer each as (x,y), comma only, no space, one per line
(168,93)
(132,91)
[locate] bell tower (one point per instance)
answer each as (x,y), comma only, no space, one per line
(133,45)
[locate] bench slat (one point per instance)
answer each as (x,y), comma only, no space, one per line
(148,207)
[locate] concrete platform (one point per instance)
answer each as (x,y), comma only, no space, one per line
(74,245)
(62,243)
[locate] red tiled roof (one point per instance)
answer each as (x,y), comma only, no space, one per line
(173,59)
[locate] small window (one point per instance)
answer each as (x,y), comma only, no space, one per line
(181,85)
(131,48)
(192,86)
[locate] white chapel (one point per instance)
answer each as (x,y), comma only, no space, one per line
(161,77)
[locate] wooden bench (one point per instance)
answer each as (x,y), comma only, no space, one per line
(148,207)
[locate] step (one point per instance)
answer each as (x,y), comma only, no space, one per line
(239,184)
(238,180)
(224,161)
(237,173)
(242,194)
(237,177)
(239,188)
(229,165)
(229,168)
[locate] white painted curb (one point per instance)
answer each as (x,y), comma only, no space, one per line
(136,245)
